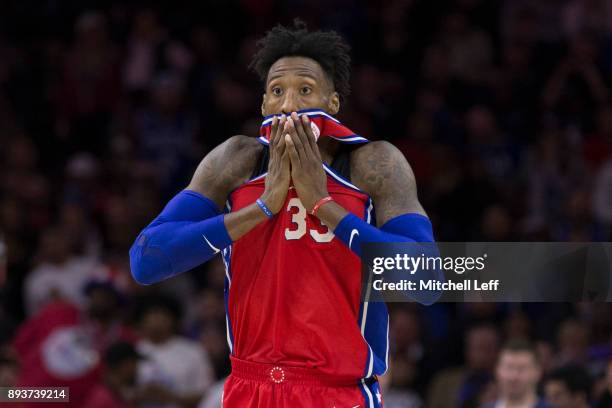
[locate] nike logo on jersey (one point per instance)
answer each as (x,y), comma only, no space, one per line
(353,233)
(214,248)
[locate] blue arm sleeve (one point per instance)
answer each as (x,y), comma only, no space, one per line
(188,232)
(353,231)
(404,228)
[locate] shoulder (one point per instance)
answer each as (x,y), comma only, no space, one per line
(376,147)
(240,149)
(381,170)
(377,165)
(242,143)
(235,159)
(226,167)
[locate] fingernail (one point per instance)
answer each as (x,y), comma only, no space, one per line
(305,118)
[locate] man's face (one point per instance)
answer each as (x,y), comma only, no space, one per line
(517,374)
(102,304)
(296,83)
(158,324)
(558,396)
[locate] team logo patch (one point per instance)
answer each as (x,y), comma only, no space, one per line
(315,130)
(277,375)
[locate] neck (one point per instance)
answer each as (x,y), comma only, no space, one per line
(526,401)
(328,148)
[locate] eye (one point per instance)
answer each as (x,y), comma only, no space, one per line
(277,91)
(305,90)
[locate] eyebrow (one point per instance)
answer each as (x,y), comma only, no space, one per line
(306,74)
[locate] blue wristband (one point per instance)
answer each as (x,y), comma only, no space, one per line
(264,208)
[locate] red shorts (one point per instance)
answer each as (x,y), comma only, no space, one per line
(270,386)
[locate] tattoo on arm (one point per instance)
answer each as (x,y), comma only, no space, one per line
(225,168)
(382,171)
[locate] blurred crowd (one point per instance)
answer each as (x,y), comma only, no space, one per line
(502,107)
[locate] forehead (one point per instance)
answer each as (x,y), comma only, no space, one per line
(555,385)
(299,66)
(518,357)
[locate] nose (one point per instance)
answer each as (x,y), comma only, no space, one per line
(290,102)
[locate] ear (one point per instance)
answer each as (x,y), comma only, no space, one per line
(333,103)
(263,105)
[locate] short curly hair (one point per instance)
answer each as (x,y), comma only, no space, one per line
(328,48)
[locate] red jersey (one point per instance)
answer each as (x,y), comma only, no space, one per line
(293,289)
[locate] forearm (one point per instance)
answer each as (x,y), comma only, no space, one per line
(331,214)
(405,228)
(412,227)
(354,231)
(243,221)
(188,232)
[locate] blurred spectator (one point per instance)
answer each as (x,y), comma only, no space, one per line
(88,89)
(532,22)
(546,356)
(396,396)
(469,49)
(165,131)
(60,345)
(61,273)
(572,343)
(76,224)
(588,15)
(552,170)
(117,388)
(55,350)
(577,223)
(568,387)
(517,326)
(177,371)
(81,179)
(488,145)
(150,50)
(518,373)
(457,386)
(501,107)
(577,85)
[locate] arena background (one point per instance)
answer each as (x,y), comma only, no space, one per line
(502,108)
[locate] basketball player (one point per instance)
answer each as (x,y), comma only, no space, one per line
(298,204)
